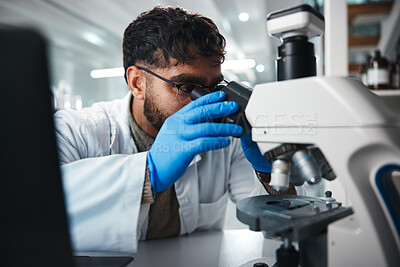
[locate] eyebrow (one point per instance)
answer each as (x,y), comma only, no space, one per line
(189,78)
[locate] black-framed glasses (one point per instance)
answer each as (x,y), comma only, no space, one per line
(183,89)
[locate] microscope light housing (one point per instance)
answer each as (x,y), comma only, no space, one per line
(301,20)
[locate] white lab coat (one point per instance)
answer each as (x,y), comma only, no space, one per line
(103,176)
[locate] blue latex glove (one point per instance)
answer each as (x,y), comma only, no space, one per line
(186,134)
(253,154)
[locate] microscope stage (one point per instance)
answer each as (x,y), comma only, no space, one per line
(296,217)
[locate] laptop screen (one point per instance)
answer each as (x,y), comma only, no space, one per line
(34,228)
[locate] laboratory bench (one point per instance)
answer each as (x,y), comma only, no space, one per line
(225,248)
(207,248)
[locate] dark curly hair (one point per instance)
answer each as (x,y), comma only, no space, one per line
(160,34)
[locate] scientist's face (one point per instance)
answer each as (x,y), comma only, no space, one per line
(161,99)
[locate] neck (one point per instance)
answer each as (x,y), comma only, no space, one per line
(141,120)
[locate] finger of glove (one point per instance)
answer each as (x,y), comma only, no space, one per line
(204,100)
(209,129)
(257,160)
(246,141)
(207,144)
(210,111)
(263,166)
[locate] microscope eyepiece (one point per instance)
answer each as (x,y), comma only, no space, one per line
(234,91)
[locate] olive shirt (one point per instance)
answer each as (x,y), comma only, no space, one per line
(163,215)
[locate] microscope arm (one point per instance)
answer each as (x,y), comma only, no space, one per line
(359,137)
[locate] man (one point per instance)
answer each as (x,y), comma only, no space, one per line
(153,165)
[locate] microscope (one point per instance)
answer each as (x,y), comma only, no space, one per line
(314,128)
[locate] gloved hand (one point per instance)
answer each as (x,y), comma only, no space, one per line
(253,154)
(186,134)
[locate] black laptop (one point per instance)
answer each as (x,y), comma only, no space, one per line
(33,220)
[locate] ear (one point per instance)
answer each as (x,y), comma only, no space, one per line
(136,82)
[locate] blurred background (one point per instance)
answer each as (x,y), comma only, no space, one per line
(86,36)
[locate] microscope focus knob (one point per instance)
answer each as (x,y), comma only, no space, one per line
(328,194)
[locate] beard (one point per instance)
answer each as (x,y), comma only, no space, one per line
(153,112)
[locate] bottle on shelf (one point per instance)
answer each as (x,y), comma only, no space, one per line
(392,73)
(378,74)
(363,71)
(395,74)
